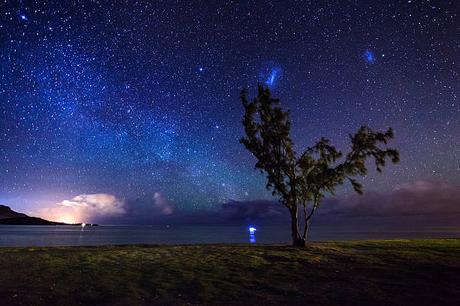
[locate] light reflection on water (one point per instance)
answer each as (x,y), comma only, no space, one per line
(252,234)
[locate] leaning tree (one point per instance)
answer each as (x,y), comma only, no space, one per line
(302,182)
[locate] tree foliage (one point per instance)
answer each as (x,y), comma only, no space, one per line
(302,182)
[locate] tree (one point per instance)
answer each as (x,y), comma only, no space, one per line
(301,183)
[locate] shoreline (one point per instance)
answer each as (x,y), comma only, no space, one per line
(229,244)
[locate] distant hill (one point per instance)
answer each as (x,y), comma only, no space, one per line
(29,221)
(11,217)
(6,212)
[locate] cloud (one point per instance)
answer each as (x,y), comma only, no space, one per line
(108,209)
(417,205)
(161,204)
(420,203)
(251,210)
(420,198)
(231,213)
(85,208)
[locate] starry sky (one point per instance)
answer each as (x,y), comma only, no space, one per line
(140,99)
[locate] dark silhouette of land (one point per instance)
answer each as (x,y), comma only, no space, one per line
(11,217)
(6,212)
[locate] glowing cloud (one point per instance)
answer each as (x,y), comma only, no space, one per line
(85,208)
(162,204)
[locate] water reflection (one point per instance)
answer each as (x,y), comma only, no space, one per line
(43,235)
(252,234)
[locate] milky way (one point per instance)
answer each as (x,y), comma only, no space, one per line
(141,98)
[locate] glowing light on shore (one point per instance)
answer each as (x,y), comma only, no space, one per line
(70,219)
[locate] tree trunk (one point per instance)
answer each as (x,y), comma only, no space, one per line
(307,228)
(307,221)
(297,239)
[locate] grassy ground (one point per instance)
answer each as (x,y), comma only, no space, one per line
(372,272)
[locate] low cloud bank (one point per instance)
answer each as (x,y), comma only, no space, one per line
(100,207)
(420,204)
(421,198)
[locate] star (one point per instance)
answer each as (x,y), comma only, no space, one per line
(101,96)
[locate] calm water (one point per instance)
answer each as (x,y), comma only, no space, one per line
(17,235)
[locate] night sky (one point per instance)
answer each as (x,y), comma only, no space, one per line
(140,99)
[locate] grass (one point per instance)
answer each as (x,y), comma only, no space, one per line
(393,272)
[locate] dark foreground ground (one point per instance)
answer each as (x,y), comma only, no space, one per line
(415,272)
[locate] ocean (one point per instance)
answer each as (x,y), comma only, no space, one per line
(29,235)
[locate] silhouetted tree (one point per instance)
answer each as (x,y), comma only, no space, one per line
(302,182)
